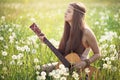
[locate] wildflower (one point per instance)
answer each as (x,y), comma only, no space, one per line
(105,66)
(116,15)
(10,30)
(57,71)
(56,76)
(61,66)
(63,71)
(37,72)
(3,18)
(11,39)
(6,47)
(66,74)
(107,58)
(114,68)
(33,51)
(42,77)
(87,70)
(1,38)
(38,77)
(54,63)
(112,58)
(75,76)
(36,60)
(108,62)
(14,57)
(21,17)
(18,48)
(49,64)
(20,55)
(2,77)
(37,67)
(33,19)
(32,38)
(4,53)
(52,73)
(12,62)
(96,22)
(63,78)
(22,49)
(43,73)
(26,48)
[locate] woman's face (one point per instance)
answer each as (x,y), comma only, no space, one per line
(69,14)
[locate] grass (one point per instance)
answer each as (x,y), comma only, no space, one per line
(17,16)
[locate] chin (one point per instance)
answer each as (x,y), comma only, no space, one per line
(66,20)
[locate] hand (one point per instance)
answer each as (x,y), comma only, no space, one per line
(80,65)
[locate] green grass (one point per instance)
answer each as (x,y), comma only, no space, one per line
(102,16)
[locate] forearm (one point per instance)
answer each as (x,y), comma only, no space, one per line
(94,57)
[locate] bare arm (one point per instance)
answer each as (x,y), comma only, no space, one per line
(92,42)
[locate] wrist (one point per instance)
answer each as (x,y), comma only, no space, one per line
(87,62)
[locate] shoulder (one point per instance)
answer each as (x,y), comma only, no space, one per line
(88,32)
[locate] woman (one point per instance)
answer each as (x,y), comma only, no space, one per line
(77,37)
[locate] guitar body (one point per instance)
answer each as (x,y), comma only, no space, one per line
(74,58)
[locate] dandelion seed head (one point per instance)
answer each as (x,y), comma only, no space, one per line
(87,70)
(3,18)
(37,72)
(36,60)
(14,57)
(4,53)
(1,38)
(12,62)
(63,78)
(43,73)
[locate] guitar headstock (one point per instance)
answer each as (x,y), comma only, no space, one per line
(37,31)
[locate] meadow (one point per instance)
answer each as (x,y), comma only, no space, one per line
(22,53)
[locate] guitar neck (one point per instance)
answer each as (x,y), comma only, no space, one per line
(57,53)
(48,43)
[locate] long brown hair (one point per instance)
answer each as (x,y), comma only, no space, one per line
(72,37)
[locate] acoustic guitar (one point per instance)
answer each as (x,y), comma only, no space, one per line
(68,60)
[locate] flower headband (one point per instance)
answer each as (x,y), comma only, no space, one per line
(77,10)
